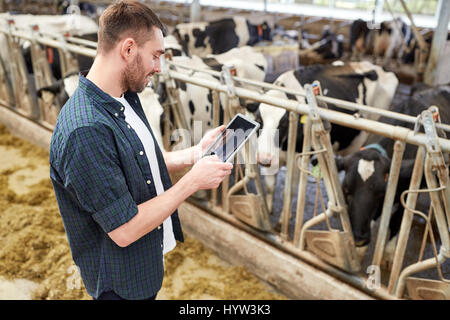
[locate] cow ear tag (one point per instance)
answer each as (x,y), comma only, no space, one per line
(303,119)
(316,172)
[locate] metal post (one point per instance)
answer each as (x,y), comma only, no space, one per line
(438,44)
(399,148)
(290,167)
(195,11)
(407,219)
(303,180)
(24,102)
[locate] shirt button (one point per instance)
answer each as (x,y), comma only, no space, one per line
(141,153)
(121,109)
(116,114)
(148,182)
(159,227)
(128,126)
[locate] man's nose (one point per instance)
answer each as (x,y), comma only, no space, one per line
(157,66)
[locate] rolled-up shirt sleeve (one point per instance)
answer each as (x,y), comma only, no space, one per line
(94,177)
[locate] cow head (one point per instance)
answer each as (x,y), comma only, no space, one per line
(364,187)
(332,45)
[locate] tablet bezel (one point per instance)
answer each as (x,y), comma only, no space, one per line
(236,150)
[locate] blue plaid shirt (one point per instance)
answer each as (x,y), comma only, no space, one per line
(100,173)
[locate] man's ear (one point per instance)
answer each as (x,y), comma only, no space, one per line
(128,48)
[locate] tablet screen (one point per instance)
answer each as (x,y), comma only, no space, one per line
(235,134)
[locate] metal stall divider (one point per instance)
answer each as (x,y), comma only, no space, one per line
(437,179)
(174,102)
(334,246)
(250,208)
(23,98)
(43,77)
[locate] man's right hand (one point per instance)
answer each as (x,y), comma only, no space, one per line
(209,172)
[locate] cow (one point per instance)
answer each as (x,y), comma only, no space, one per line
(202,38)
(197,101)
(170,42)
(366,171)
(392,40)
(329,47)
(360,82)
(362,38)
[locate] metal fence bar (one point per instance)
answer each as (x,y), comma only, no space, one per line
(337,102)
(264,86)
(394,173)
(372,126)
(407,219)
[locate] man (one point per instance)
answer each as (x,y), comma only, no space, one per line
(110,178)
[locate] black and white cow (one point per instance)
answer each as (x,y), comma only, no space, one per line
(360,82)
(331,44)
(197,101)
(201,38)
(362,39)
(392,40)
(366,171)
(329,47)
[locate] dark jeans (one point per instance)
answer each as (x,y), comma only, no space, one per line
(111,295)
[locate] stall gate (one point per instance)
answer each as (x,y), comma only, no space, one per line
(332,249)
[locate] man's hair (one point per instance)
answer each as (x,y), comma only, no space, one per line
(126,18)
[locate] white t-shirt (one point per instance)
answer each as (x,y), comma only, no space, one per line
(149,146)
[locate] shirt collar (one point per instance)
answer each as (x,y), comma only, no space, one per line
(104,99)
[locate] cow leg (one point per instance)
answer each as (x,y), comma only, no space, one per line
(388,256)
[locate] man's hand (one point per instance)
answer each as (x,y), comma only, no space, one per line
(209,172)
(208,139)
(177,160)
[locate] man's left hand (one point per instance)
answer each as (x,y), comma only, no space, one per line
(208,139)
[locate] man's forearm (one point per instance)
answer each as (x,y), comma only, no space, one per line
(180,159)
(152,213)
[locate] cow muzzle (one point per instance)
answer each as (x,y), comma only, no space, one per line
(265,159)
(362,243)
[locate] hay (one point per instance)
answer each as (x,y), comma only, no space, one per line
(33,243)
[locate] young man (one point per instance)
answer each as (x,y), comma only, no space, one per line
(110,178)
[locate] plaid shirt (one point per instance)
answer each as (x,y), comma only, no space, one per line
(100,174)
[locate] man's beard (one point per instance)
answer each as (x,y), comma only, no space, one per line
(132,78)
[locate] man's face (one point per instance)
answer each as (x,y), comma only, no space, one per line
(146,62)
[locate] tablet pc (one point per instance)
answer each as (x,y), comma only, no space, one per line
(237,132)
